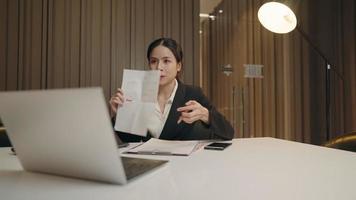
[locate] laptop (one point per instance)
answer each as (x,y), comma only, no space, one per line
(67,132)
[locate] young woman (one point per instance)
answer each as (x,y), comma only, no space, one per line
(182,111)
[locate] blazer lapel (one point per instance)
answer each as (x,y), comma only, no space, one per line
(171,128)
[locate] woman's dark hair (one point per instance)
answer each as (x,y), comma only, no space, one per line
(170,44)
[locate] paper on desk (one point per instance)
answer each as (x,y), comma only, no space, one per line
(165,147)
(140,90)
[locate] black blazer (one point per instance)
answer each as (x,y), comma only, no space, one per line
(219,127)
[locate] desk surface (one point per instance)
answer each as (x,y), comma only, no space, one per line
(259,168)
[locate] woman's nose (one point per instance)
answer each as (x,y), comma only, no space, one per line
(160,66)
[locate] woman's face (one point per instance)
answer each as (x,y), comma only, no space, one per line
(163,59)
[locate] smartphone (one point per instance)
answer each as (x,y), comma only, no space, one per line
(217,146)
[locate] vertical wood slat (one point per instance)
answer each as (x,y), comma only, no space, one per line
(224,94)
(251,83)
(279,123)
(63,44)
(12,45)
(287,85)
(228,79)
(306,137)
(338,95)
(158,13)
(105,63)
(94,53)
(3,43)
(44,49)
(271,92)
(241,45)
(149,28)
(35,71)
(138,40)
(257,59)
(298,103)
(21,14)
(67,51)
(26,43)
(30,46)
(50,44)
(133,34)
(86,43)
(83,43)
(75,40)
(27,28)
(56,44)
(349,58)
(120,53)
(175,19)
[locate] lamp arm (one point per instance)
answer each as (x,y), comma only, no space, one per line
(315,47)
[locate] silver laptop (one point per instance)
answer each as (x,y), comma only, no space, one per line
(67,132)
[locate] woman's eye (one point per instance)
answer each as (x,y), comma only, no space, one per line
(153,62)
(166,61)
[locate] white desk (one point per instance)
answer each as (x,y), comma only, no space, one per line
(260,168)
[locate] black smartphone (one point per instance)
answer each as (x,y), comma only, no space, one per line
(217,146)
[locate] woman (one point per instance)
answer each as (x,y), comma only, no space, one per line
(182,111)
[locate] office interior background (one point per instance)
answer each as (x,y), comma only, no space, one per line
(47,44)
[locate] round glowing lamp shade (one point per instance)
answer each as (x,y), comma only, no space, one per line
(277,17)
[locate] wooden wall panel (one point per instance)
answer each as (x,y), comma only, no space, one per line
(63,61)
(3,42)
(30,44)
(138,27)
(120,49)
(149,27)
(157,17)
(188,42)
(63,43)
(306,105)
(105,45)
(44,48)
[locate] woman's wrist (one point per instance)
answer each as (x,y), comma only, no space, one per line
(205,117)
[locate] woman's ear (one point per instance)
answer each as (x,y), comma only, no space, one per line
(179,66)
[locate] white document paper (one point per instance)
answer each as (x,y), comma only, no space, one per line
(165,147)
(140,90)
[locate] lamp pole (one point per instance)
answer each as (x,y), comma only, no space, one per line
(328,68)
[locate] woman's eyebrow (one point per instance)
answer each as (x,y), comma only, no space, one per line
(166,57)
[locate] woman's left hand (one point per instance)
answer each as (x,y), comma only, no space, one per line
(193,111)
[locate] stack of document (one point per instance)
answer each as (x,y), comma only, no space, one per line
(165,147)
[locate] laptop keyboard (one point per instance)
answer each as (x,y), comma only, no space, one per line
(137,166)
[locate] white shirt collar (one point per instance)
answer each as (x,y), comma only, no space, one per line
(173,94)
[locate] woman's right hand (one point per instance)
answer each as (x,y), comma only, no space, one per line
(117,100)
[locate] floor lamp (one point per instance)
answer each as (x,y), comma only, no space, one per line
(279,18)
